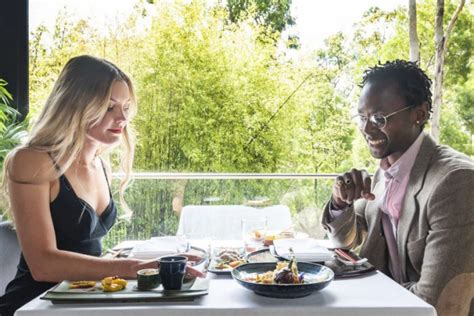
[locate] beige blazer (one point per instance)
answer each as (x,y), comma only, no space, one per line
(435,234)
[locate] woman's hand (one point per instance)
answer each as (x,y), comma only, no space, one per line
(190,270)
(350,187)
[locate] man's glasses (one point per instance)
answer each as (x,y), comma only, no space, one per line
(378,120)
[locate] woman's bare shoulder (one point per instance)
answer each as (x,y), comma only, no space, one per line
(29,166)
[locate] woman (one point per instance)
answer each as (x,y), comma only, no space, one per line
(58,186)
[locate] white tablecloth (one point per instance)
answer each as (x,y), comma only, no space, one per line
(370,295)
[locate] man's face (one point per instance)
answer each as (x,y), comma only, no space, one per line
(400,130)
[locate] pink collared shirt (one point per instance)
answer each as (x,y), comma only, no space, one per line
(396,181)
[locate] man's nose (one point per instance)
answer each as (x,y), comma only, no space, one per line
(368,126)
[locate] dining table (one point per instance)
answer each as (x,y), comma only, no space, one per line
(371,294)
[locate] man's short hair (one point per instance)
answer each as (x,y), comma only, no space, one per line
(412,82)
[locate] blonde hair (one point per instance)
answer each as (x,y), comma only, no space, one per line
(79,101)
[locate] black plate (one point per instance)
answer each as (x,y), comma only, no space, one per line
(342,270)
(316,276)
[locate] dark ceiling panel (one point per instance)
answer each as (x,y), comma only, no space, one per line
(14,51)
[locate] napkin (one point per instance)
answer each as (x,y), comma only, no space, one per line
(159,246)
(305,249)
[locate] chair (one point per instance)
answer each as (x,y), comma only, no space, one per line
(9,254)
(457,296)
(224,221)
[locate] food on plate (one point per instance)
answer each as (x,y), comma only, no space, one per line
(228,259)
(270,236)
(287,274)
(284,273)
(256,235)
(113,284)
(108,284)
(82,284)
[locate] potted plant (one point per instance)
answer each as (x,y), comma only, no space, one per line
(11,131)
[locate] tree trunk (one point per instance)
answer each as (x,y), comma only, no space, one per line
(441,40)
(413,33)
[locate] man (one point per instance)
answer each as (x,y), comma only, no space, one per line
(415,220)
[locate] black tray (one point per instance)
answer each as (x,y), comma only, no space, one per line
(61,294)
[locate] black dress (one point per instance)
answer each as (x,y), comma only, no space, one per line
(78,228)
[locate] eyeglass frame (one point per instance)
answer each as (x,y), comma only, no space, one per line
(374,123)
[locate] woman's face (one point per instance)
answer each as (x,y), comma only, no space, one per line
(109,130)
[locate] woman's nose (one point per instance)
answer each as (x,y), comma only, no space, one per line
(121,115)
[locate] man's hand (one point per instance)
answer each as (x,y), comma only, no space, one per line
(350,187)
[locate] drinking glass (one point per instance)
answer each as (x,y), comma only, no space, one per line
(253,233)
(172,270)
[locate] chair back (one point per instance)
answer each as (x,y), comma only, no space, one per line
(224,221)
(9,254)
(457,296)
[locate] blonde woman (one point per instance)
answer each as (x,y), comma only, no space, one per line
(59,187)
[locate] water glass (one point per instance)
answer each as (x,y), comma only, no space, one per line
(253,233)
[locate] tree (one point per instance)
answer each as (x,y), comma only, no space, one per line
(274,14)
(441,40)
(381,36)
(414,41)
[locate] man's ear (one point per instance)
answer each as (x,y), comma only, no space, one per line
(422,113)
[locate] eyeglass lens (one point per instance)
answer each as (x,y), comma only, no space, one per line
(376,119)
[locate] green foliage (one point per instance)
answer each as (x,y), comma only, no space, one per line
(274,14)
(213,98)
(11,132)
(452,133)
(465,100)
(382,36)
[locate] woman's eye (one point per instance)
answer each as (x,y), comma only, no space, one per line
(110,108)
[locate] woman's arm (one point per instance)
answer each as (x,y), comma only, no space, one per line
(30,176)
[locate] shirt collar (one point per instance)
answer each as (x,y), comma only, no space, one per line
(402,167)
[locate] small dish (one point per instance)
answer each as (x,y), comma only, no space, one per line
(148,279)
(225,259)
(262,255)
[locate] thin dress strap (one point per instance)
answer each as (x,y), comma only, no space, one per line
(105,173)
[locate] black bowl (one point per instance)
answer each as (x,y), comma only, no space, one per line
(316,277)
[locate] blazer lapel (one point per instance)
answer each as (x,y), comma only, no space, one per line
(410,206)
(373,207)
(375,249)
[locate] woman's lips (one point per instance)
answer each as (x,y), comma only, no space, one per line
(116,130)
